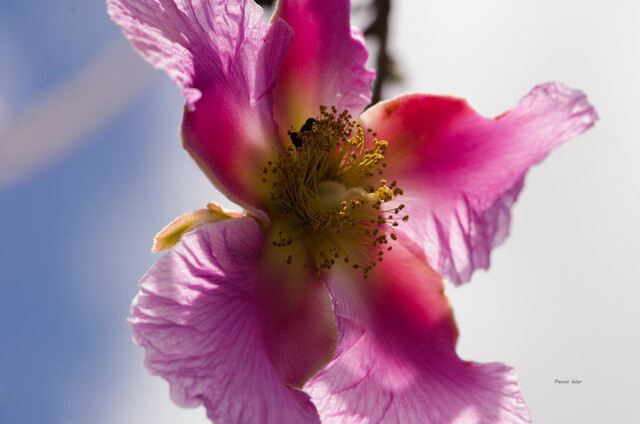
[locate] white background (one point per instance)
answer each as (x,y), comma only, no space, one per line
(561,298)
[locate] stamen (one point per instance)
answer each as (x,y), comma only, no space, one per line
(321,187)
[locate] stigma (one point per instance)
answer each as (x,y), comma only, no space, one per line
(328,196)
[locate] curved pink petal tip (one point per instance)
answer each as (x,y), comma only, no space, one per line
(461,172)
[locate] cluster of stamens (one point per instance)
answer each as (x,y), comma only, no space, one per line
(322,196)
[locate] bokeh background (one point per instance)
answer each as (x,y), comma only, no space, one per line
(91,168)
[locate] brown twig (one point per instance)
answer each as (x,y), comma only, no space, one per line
(379,29)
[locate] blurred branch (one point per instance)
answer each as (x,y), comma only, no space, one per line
(379,29)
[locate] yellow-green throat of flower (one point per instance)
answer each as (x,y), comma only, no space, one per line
(325,208)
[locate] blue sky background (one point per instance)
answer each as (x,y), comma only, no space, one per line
(560,300)
(50,338)
(63,306)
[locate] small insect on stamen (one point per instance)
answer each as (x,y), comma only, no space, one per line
(296,139)
(308,125)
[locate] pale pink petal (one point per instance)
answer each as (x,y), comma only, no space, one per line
(201,317)
(189,221)
(325,64)
(461,172)
(203,43)
(396,359)
(226,61)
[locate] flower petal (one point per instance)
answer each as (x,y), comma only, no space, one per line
(301,327)
(200,317)
(325,64)
(397,361)
(461,172)
(225,59)
(170,234)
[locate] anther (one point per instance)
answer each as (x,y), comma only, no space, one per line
(384,193)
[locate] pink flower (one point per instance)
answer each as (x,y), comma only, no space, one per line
(262,317)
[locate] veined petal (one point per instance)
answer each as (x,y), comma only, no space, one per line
(201,317)
(325,64)
(461,172)
(396,359)
(203,43)
(226,61)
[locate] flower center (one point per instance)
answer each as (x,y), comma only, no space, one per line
(324,205)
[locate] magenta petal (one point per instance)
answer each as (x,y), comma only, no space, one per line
(199,317)
(325,64)
(300,327)
(301,336)
(397,361)
(462,172)
(226,61)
